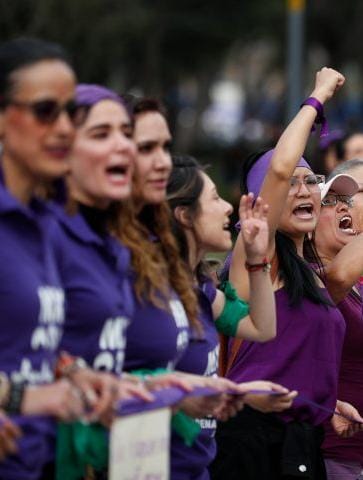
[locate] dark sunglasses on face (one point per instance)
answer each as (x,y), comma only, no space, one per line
(47,111)
(332,199)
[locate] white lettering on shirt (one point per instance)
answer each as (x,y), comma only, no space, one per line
(212,365)
(34,377)
(113,333)
(51,318)
(112,344)
(179,314)
(207,422)
(51,304)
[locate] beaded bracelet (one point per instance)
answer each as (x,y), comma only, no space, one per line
(15,398)
(265,266)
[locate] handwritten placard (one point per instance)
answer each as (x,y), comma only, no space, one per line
(139,446)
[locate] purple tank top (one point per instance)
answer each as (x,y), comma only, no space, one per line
(304,356)
(200,358)
(350,387)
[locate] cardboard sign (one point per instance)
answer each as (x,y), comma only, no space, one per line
(139,446)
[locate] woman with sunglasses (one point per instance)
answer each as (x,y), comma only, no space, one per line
(200,221)
(305,354)
(36,112)
(339,248)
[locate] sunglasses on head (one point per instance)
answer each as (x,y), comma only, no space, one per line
(47,111)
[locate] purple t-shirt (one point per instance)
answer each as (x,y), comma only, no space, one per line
(32,314)
(304,356)
(157,337)
(99,304)
(200,358)
(350,387)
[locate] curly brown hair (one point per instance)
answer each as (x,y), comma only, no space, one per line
(155,254)
(155,257)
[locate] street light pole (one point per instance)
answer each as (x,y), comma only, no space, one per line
(295,28)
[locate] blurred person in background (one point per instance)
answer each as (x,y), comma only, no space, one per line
(338,147)
(352,144)
(329,152)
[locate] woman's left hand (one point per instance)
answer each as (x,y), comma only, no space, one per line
(254,227)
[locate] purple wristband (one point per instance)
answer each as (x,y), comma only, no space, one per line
(320,118)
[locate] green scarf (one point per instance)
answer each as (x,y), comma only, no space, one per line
(80,446)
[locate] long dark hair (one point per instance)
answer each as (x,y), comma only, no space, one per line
(295,272)
(184,189)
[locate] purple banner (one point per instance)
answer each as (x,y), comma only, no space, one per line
(171,396)
(168,397)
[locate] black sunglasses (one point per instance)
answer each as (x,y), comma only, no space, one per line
(48,111)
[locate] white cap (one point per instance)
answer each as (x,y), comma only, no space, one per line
(341,184)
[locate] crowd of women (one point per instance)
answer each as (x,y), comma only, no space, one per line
(105,294)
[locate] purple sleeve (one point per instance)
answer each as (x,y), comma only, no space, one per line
(209,289)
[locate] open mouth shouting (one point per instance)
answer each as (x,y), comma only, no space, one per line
(346,225)
(119,173)
(226,225)
(304,211)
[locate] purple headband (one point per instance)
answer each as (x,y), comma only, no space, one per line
(258,172)
(255,178)
(88,95)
